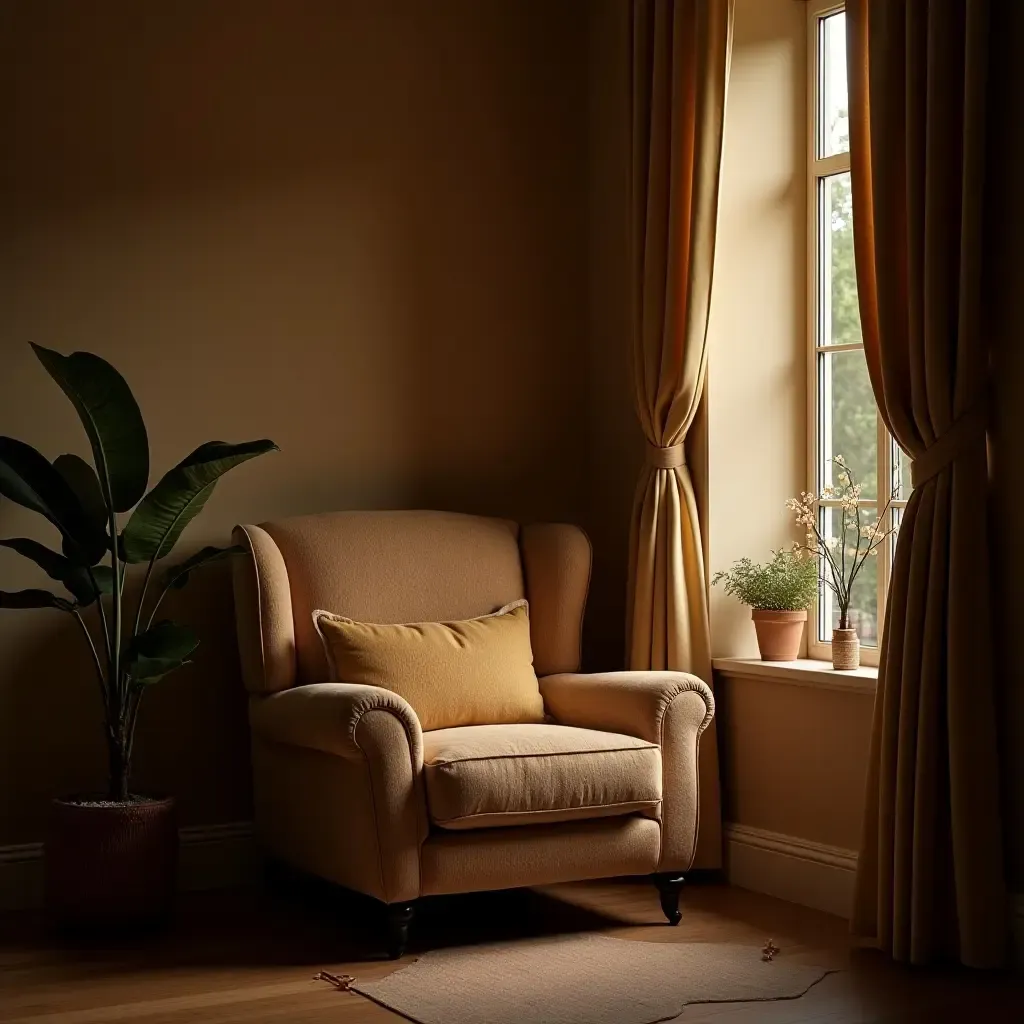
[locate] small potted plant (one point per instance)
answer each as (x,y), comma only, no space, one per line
(779,593)
(843,556)
(111,857)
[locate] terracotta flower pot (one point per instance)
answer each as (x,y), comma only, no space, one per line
(779,633)
(111,865)
(845,649)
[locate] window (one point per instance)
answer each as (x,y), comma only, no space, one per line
(843,418)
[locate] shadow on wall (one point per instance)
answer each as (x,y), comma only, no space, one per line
(357,229)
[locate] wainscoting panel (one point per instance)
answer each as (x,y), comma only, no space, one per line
(212,857)
(798,870)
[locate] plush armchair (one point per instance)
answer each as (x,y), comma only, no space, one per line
(349,787)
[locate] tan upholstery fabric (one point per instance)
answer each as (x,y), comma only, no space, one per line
(556,563)
(469,672)
(505,858)
(333,761)
(501,775)
(680,69)
(338,770)
(930,882)
(263,613)
(394,567)
(671,709)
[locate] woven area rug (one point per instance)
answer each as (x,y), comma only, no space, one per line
(582,979)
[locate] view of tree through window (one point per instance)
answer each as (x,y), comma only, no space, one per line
(846,421)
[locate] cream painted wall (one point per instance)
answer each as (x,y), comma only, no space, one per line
(796,758)
(793,758)
(757,366)
(355,228)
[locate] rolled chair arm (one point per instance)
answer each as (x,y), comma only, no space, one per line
(671,709)
(345,719)
(634,703)
(339,785)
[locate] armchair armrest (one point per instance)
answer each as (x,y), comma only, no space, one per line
(634,703)
(339,784)
(344,719)
(671,709)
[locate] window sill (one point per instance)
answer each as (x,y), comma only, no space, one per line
(804,672)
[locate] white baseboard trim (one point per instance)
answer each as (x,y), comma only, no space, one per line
(798,870)
(211,857)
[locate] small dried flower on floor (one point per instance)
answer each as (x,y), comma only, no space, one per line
(342,983)
(769,951)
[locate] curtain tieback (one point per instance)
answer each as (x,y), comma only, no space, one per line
(966,430)
(671,457)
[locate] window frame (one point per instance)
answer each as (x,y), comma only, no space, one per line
(819,168)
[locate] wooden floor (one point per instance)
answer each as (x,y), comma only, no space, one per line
(251,956)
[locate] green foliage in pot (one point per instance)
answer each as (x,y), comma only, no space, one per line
(788,582)
(82,502)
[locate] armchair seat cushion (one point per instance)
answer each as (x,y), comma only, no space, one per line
(487,776)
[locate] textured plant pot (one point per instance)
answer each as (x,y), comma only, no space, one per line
(845,649)
(779,633)
(111,866)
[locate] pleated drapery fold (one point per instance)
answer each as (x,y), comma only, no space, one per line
(930,877)
(680,67)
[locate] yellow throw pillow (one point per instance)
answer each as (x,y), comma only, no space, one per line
(470,672)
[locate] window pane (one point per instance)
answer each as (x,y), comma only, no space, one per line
(848,420)
(864,599)
(837,274)
(834,119)
(902,463)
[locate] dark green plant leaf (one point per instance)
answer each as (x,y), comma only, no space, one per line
(28,479)
(176,578)
(34,599)
(104,577)
(164,647)
(57,567)
(82,480)
(111,418)
(179,497)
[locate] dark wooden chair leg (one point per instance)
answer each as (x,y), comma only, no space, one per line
(399,917)
(670,884)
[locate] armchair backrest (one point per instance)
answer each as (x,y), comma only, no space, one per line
(400,567)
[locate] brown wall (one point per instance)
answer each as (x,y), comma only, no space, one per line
(356,228)
(1005,280)
(615,449)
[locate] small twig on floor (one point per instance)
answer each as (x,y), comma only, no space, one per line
(342,984)
(769,951)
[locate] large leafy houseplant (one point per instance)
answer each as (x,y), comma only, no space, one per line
(131,649)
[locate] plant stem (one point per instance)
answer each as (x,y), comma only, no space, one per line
(133,717)
(142,597)
(103,616)
(119,770)
(156,605)
(118,762)
(95,655)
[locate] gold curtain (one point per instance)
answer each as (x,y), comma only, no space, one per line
(680,66)
(930,882)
